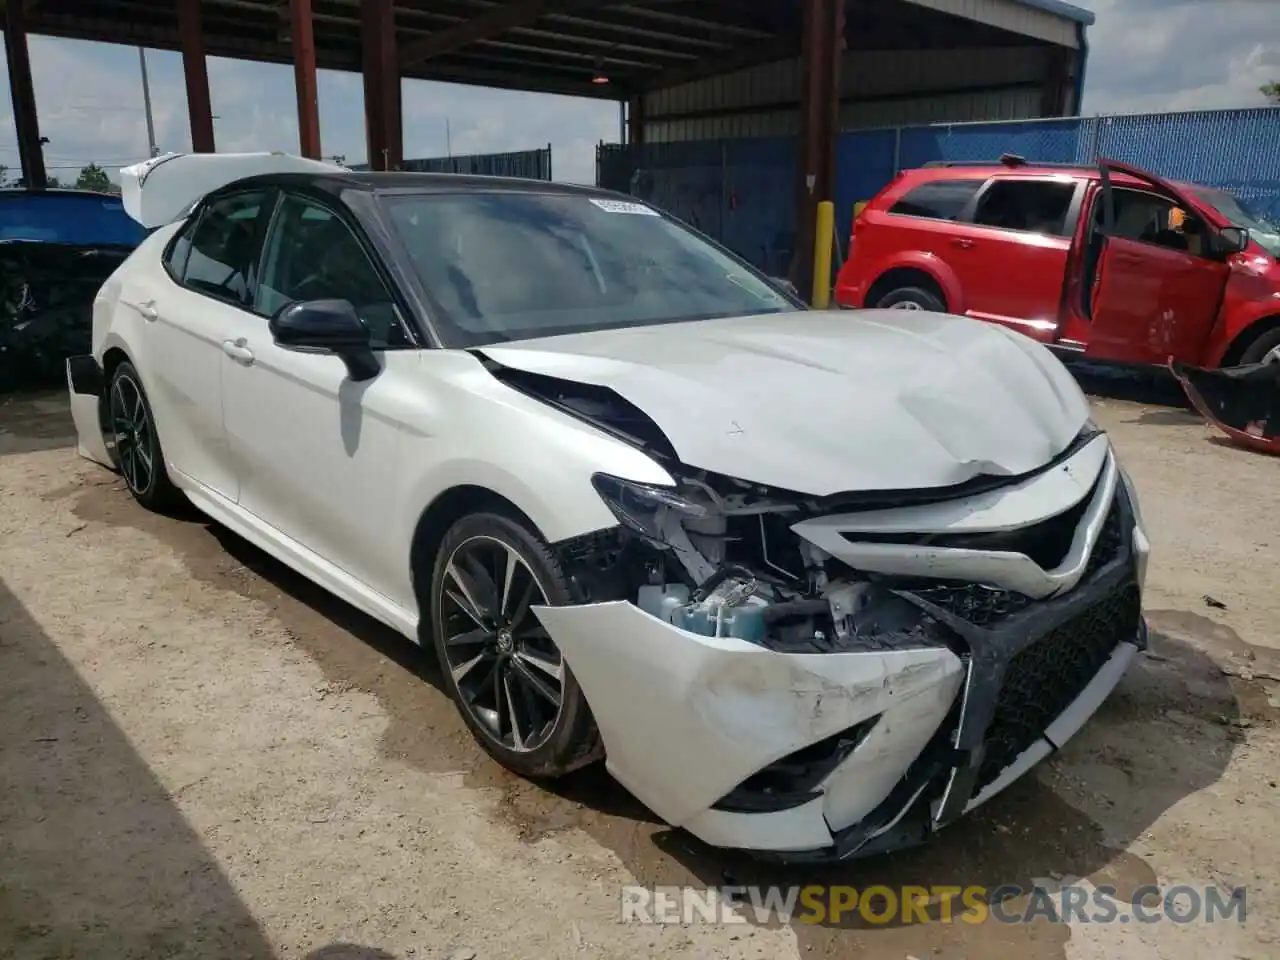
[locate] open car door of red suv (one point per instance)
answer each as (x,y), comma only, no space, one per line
(1153,292)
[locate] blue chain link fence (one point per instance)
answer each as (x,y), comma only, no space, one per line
(742,192)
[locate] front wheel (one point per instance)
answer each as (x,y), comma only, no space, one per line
(134,442)
(508,679)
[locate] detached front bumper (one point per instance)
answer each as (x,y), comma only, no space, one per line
(86,386)
(912,739)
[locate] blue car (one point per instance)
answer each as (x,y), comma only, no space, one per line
(57,247)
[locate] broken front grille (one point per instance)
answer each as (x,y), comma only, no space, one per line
(1043,679)
(985,606)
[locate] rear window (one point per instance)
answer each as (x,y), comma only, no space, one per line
(938,199)
(89,221)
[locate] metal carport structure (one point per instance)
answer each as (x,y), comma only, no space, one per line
(781,60)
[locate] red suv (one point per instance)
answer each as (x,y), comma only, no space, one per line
(1111,261)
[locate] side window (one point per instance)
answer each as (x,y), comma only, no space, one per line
(175,261)
(1151,218)
(312,255)
(938,200)
(1038,206)
(224,248)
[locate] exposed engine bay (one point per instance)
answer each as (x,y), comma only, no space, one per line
(719,559)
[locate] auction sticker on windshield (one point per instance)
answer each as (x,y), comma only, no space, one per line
(623,206)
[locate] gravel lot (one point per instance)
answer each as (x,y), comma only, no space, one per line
(203,756)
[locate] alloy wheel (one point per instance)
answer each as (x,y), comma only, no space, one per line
(134,439)
(509,674)
(905,305)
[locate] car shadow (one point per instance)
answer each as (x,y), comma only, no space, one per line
(34,421)
(96,859)
(1148,385)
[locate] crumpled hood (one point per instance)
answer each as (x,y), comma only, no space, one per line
(831,402)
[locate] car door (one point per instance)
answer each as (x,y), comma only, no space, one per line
(1012,259)
(188,309)
(317,452)
(1156,283)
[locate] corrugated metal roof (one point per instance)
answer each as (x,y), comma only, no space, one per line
(1063,9)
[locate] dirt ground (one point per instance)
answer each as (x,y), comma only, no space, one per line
(203,756)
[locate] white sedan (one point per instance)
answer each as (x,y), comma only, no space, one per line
(812,584)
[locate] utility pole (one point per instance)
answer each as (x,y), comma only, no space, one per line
(448,139)
(146,102)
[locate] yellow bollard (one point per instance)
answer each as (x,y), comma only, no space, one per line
(823,233)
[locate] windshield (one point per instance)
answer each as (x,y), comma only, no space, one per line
(1264,230)
(505,266)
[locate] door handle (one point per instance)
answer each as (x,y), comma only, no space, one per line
(147,308)
(963,243)
(237,351)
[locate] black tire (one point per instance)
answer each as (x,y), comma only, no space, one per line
(134,443)
(1260,347)
(555,741)
(903,298)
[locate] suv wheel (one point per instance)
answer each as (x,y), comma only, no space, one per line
(1265,349)
(911,298)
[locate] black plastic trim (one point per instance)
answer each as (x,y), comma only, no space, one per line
(85,376)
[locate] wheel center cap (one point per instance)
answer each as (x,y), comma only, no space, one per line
(505,641)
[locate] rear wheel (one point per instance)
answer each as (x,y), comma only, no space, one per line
(135,444)
(508,679)
(1265,349)
(911,298)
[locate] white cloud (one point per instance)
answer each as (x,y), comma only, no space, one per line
(1155,55)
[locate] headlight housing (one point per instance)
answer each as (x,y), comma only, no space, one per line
(643,508)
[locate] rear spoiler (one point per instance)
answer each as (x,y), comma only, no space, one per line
(163,189)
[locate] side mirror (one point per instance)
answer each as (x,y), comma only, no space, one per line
(327,326)
(1233,240)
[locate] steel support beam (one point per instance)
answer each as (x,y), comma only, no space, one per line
(821,50)
(196,72)
(635,120)
(1057,83)
(302,33)
(23,91)
(500,19)
(381,85)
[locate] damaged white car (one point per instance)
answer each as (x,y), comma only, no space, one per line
(811,584)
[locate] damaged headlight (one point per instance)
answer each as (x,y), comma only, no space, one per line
(644,508)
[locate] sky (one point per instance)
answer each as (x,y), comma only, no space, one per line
(1145,55)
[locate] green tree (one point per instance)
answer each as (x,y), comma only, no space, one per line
(1271,91)
(93,177)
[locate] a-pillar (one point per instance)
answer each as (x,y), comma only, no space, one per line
(23,91)
(304,77)
(196,72)
(821,51)
(381,85)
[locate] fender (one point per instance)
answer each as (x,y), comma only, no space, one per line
(930,264)
(1252,296)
